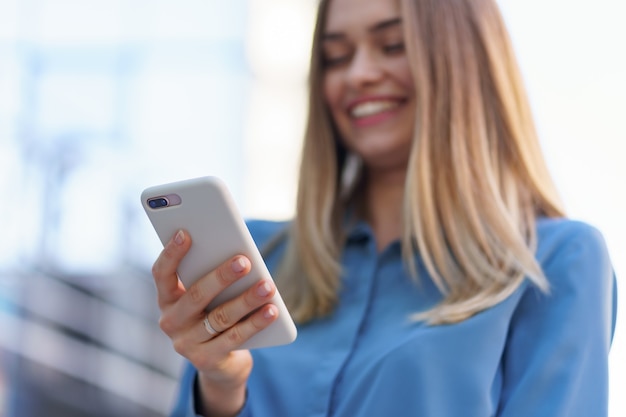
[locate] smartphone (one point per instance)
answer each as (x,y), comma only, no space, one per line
(205,208)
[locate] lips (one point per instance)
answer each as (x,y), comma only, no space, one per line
(369,111)
(370,108)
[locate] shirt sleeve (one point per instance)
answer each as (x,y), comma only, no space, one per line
(556,360)
(185,405)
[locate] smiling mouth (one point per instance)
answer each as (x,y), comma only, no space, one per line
(371,108)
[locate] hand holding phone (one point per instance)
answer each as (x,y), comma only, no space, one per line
(205,209)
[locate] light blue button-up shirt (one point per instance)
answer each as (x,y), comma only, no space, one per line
(532,355)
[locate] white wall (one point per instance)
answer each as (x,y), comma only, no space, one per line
(573,56)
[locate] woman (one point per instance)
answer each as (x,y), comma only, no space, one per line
(430,266)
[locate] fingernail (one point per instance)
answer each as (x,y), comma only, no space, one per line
(239,264)
(179,239)
(264,289)
(269,313)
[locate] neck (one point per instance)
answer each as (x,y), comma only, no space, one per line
(383,198)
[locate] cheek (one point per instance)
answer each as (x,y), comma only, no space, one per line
(400,70)
(407,78)
(332,93)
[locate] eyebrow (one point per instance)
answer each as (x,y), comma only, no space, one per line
(378,27)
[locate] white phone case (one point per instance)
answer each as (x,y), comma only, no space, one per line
(204,207)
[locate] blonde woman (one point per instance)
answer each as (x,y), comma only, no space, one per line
(430,266)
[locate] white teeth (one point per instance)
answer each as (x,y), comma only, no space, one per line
(372,107)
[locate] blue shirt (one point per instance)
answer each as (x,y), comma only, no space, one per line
(534,354)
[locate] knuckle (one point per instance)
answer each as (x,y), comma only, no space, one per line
(169,252)
(250,300)
(222,277)
(222,318)
(258,323)
(156,269)
(180,346)
(202,361)
(167,325)
(168,256)
(195,292)
(235,336)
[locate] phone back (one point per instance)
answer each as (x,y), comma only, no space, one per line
(204,207)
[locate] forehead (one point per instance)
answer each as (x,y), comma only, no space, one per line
(343,15)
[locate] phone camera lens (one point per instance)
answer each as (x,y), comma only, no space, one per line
(157,202)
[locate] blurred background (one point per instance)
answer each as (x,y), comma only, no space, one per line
(101,99)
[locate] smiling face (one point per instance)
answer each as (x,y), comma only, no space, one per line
(367,82)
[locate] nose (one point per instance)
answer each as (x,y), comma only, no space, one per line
(364,69)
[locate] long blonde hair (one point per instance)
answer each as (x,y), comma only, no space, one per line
(476,179)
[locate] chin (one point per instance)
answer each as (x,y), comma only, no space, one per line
(386,161)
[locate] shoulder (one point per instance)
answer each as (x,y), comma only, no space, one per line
(263,231)
(269,238)
(561,239)
(575,260)
(582,294)
(570,327)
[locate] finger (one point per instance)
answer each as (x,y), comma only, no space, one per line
(192,304)
(235,336)
(204,329)
(203,291)
(169,287)
(230,313)
(209,329)
(188,341)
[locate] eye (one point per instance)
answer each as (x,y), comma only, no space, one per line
(336,52)
(335,61)
(393,48)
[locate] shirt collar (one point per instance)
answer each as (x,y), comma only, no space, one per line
(358,231)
